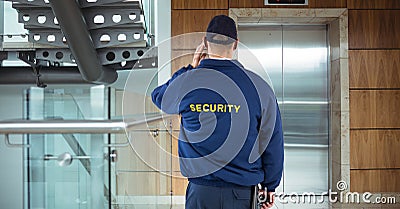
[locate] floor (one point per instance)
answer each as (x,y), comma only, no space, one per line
(288,206)
(278,205)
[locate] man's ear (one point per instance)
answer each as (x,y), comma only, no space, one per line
(235,45)
(205,42)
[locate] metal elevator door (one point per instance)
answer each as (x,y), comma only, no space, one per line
(296,60)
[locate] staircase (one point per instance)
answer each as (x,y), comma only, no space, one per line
(99,36)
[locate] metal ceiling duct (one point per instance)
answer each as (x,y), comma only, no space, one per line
(75,30)
(48,75)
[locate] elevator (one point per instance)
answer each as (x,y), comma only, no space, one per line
(296,59)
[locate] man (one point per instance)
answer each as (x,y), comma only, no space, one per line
(231,133)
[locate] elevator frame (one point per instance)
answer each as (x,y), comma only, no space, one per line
(337,21)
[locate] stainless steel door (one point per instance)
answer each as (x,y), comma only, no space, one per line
(296,59)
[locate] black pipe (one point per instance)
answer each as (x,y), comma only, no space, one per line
(49,75)
(80,42)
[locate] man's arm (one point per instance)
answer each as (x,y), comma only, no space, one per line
(272,158)
(158,93)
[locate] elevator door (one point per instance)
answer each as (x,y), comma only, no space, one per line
(296,60)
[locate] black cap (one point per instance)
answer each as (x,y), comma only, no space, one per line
(223,25)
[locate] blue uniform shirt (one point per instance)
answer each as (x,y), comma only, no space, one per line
(231,130)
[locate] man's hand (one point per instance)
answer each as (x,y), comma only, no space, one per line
(198,55)
(269,204)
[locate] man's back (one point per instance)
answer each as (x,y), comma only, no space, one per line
(231,136)
(222,107)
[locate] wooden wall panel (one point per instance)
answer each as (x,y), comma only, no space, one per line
(374,109)
(200,4)
(189,41)
(374,29)
(327,3)
(182,58)
(179,185)
(311,4)
(387,180)
(371,149)
(246,3)
(186,21)
(143,184)
(373,4)
(374,68)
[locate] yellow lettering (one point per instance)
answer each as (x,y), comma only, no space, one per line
(220,108)
(198,107)
(214,108)
(237,107)
(211,107)
(204,107)
(230,107)
(192,107)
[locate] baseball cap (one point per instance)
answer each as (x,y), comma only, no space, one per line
(223,25)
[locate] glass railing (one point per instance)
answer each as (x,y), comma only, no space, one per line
(90,161)
(149,17)
(66,170)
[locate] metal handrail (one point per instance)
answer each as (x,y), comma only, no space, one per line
(73,126)
(12,145)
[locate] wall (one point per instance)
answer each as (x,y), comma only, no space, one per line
(311,4)
(190,16)
(374,62)
(374,59)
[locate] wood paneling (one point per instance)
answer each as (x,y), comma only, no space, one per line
(179,185)
(374,149)
(311,4)
(142,184)
(374,29)
(186,21)
(374,155)
(246,3)
(375,180)
(188,41)
(181,58)
(374,109)
(327,3)
(197,4)
(374,68)
(373,4)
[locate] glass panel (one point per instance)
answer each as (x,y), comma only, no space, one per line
(67,170)
(142,172)
(149,18)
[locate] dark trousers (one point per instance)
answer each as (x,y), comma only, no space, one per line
(209,197)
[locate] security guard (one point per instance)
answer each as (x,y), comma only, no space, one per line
(231,133)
